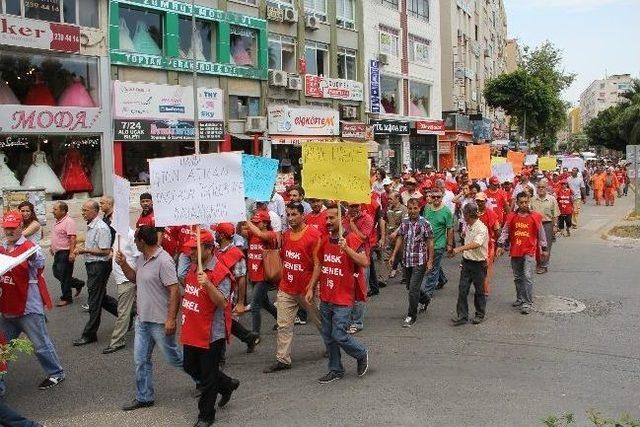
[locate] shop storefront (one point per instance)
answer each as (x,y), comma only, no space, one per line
(391,136)
(424,143)
(153,120)
(290,126)
(54,102)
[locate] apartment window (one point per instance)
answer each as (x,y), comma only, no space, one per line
(79,12)
(250,2)
(244,45)
(390,94)
(282,53)
(389,41)
(346,64)
(203,43)
(391,3)
(418,9)
(419,94)
(241,107)
(419,50)
(346,14)
(317,8)
(317,57)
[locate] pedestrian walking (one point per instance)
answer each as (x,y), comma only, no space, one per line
(206,326)
(32,229)
(147,217)
(524,232)
(474,267)
(23,299)
(97,260)
(126,292)
(157,305)
(396,211)
(564,195)
(576,184)
(106,206)
(547,206)
(300,272)
(415,240)
(441,220)
(62,247)
(342,260)
(491,220)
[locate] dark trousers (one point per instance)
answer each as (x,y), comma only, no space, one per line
(63,271)
(240,332)
(260,300)
(414,275)
(204,365)
(472,272)
(373,277)
(97,276)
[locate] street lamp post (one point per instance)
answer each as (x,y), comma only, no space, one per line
(196,121)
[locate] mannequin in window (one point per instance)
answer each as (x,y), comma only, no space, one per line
(6,94)
(74,175)
(240,53)
(7,177)
(125,36)
(76,95)
(39,93)
(41,175)
(143,42)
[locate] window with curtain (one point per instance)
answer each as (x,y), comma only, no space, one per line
(346,14)
(317,8)
(282,53)
(419,94)
(317,55)
(390,94)
(347,64)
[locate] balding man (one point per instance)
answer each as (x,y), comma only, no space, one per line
(97,258)
(106,206)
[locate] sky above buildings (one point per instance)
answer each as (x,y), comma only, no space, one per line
(598,37)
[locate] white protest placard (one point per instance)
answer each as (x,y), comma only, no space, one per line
(8,262)
(198,189)
(573,162)
(503,171)
(121,195)
(531,159)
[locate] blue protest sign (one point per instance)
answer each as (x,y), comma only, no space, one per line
(259,177)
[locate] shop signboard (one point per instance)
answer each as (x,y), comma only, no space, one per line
(374,85)
(444,147)
(293,120)
(46,119)
(357,131)
(35,34)
(324,87)
(166,130)
(151,101)
(430,127)
(389,127)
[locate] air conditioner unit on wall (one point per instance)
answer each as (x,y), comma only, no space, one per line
(295,83)
(383,59)
(311,22)
(255,124)
(349,112)
(278,78)
(290,15)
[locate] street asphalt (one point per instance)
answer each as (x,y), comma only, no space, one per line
(512,370)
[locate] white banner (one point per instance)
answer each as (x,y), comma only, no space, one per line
(531,159)
(198,189)
(152,101)
(572,162)
(121,197)
(292,120)
(504,172)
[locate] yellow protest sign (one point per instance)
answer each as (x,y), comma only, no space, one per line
(336,171)
(547,163)
(479,161)
(498,160)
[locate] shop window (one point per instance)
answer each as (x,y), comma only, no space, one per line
(346,64)
(390,94)
(317,57)
(135,163)
(79,12)
(346,14)
(389,41)
(317,8)
(51,79)
(282,53)
(140,31)
(244,46)
(419,50)
(419,94)
(241,107)
(203,44)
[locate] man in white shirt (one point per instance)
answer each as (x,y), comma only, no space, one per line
(447,196)
(126,292)
(278,206)
(524,185)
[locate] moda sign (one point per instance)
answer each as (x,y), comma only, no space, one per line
(17,31)
(27,119)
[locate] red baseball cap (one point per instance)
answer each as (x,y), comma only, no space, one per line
(494,180)
(261,216)
(224,228)
(205,237)
(12,219)
(525,174)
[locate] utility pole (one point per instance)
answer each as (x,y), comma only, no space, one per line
(196,121)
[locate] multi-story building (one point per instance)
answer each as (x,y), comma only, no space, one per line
(402,60)
(512,55)
(574,120)
(473,39)
(602,94)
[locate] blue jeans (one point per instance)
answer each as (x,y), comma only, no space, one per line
(261,300)
(9,417)
(335,321)
(434,276)
(357,312)
(35,328)
(148,334)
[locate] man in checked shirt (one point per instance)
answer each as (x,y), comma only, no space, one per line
(415,239)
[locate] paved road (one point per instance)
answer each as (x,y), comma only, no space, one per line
(512,370)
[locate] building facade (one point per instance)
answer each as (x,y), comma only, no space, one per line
(513,55)
(55,128)
(602,94)
(403,102)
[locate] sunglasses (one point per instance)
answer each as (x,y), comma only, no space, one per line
(436,196)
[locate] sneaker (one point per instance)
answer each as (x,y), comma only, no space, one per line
(330,377)
(392,274)
(225,397)
(299,321)
(477,320)
(363,364)
(85,308)
(422,306)
(136,404)
(516,304)
(353,329)
(50,382)
(382,284)
(408,322)
(525,309)
(457,321)
(278,366)
(254,340)
(441,285)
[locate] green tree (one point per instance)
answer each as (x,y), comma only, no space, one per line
(629,119)
(604,129)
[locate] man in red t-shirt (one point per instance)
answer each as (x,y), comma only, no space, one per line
(525,233)
(489,218)
(147,217)
(564,195)
(342,259)
(300,273)
(318,216)
(497,199)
